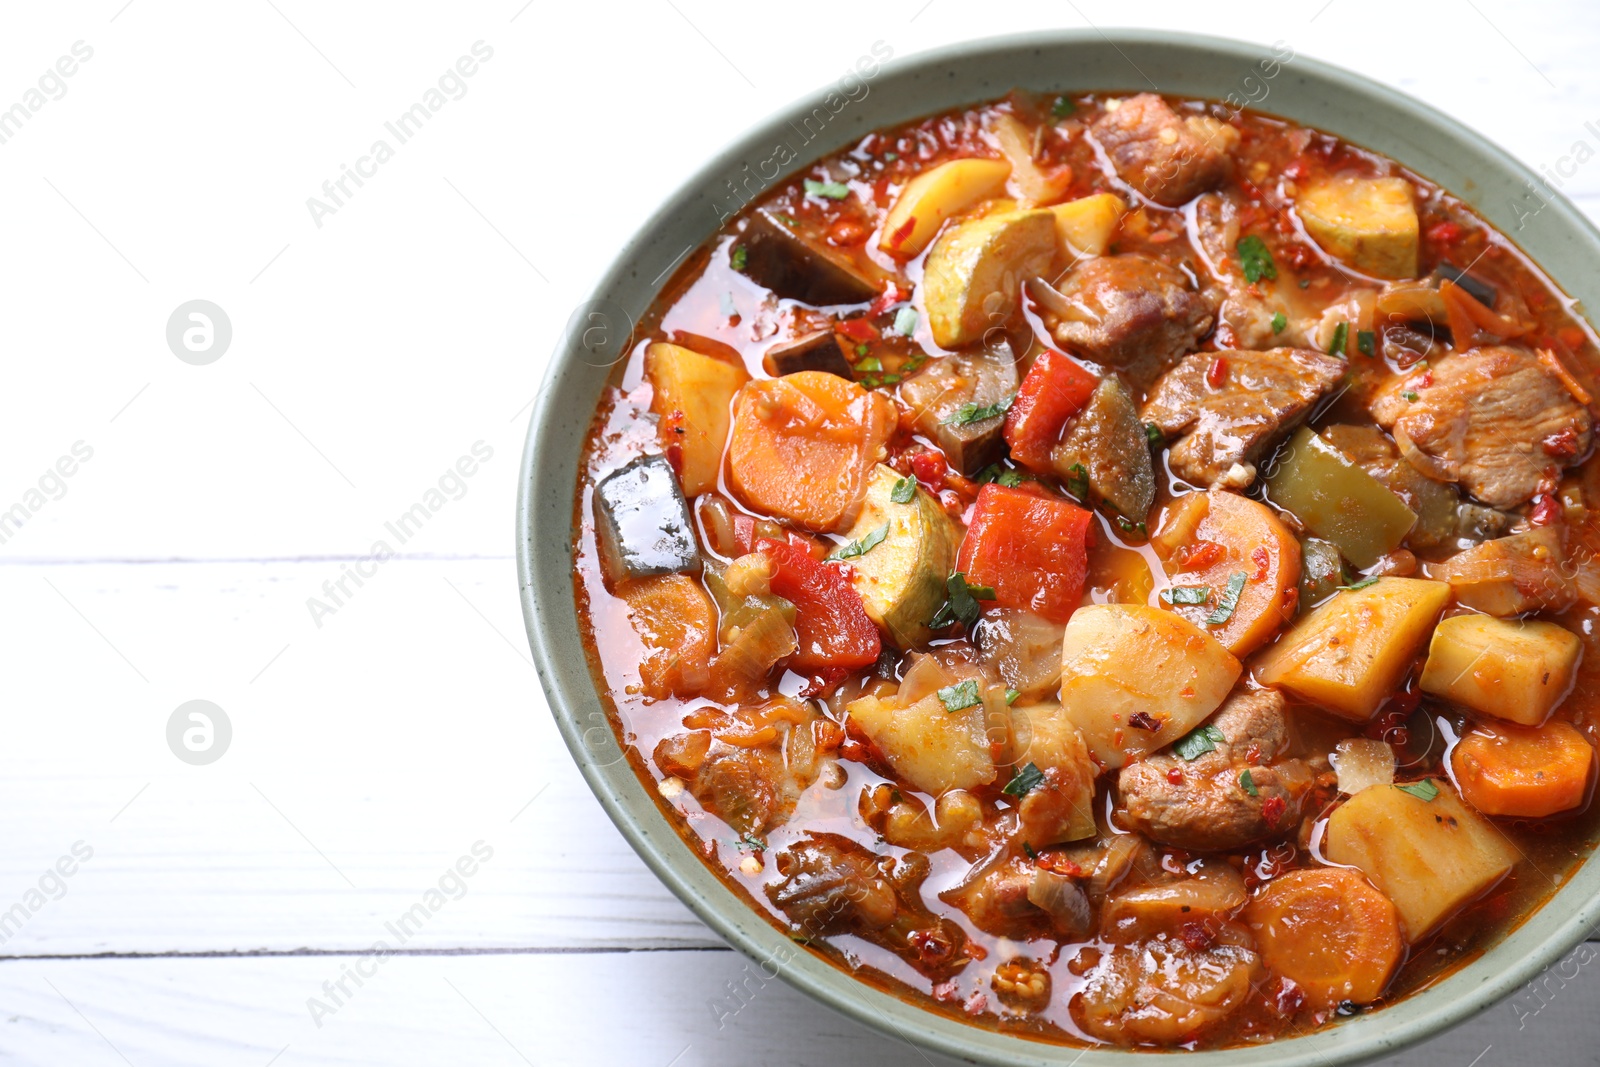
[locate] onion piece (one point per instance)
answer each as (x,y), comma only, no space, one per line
(1360,762)
(1063,900)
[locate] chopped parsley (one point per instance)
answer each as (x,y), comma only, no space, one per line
(1229,599)
(1248,784)
(904,491)
(870,365)
(1423,790)
(831,190)
(1000,476)
(1409,395)
(860,548)
(1062,107)
(1186,594)
(862,349)
(1012,695)
(971,412)
(1029,852)
(1366,342)
(1279,321)
(1341,340)
(787,220)
(752,842)
(962,606)
(1153,433)
(961,696)
(1256,260)
(1128,526)
(1362,584)
(1024,781)
(738,257)
(905,321)
(890,157)
(1197,742)
(1078,481)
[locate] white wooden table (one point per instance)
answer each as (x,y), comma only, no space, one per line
(377,744)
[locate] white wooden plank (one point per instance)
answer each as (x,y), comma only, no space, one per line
(652,1009)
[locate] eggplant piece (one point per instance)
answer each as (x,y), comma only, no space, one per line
(818,350)
(1110,444)
(960,403)
(642,523)
(790,265)
(1480,291)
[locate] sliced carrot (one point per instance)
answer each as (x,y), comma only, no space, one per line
(1328,931)
(1205,540)
(677,622)
(1524,772)
(802,446)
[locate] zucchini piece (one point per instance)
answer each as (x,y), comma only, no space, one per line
(792,266)
(1517,671)
(642,524)
(935,195)
(1350,654)
(901,579)
(692,394)
(973,275)
(1337,500)
(818,350)
(1367,223)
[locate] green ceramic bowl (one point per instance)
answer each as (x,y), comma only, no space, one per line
(1549,228)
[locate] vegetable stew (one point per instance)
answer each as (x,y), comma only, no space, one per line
(1116,569)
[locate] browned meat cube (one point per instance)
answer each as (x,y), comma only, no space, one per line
(793,266)
(1234,405)
(960,403)
(818,350)
(1498,420)
(1131,312)
(1168,157)
(1204,806)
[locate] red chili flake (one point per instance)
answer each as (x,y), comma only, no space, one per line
(1252,754)
(901,235)
(1444,232)
(858,329)
(1217,373)
(1299,256)
(1272,810)
(1546,510)
(1296,169)
(1175,776)
(1200,555)
(1262,559)
(1186,692)
(886,299)
(947,990)
(1195,936)
(1562,444)
(930,467)
(1251,190)
(1290,998)
(1426,380)
(976,1003)
(1143,720)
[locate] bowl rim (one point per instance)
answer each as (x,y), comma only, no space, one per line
(546,495)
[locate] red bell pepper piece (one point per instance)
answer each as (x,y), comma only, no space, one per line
(1033,550)
(831,624)
(1055,389)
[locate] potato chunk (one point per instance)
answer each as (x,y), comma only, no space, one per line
(1430,857)
(935,195)
(1136,678)
(975,271)
(1514,670)
(938,732)
(1085,225)
(1368,223)
(901,576)
(1046,738)
(692,394)
(1351,653)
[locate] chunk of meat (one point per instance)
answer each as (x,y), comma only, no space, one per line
(1109,442)
(831,885)
(1234,405)
(1129,311)
(1167,157)
(1204,804)
(1513,575)
(995,898)
(1170,990)
(1497,419)
(1251,316)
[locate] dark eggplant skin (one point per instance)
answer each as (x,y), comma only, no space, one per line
(642,522)
(984,378)
(818,350)
(792,266)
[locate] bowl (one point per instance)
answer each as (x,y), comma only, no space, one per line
(1559,238)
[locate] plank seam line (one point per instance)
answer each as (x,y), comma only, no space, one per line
(211,954)
(140,561)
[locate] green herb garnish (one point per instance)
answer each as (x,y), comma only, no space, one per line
(1341,340)
(1255,259)
(1062,107)
(1078,481)
(890,157)
(962,606)
(1366,342)
(1128,526)
(1012,695)
(751,841)
(862,349)
(1229,599)
(1025,780)
(1423,790)
(1279,321)
(1305,283)
(863,546)
(1186,594)
(1153,433)
(872,364)
(1362,584)
(1197,742)
(971,412)
(960,696)
(1248,784)
(905,321)
(904,491)
(787,220)
(738,257)
(1409,395)
(831,190)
